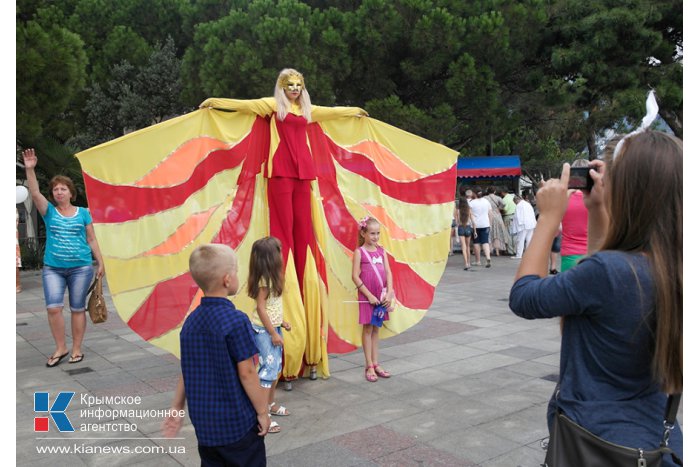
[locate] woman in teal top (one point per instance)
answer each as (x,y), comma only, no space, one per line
(70,245)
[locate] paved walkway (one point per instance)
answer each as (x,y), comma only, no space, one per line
(470,387)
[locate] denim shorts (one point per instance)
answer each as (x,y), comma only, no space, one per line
(482,235)
(77,279)
(556,244)
(465,231)
(269,356)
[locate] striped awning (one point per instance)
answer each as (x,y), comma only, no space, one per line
(488,166)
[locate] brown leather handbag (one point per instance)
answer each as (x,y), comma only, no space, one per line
(96,306)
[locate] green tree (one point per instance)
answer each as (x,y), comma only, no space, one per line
(612,53)
(134,98)
(51,66)
(122,43)
(153,96)
(241,54)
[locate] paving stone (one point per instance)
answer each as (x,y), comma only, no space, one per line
(469,387)
(472,440)
(317,454)
(421,455)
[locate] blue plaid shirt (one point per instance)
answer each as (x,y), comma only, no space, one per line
(215,337)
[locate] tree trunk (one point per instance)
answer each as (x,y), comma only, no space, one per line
(590,143)
(672,120)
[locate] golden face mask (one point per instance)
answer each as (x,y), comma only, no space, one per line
(292,83)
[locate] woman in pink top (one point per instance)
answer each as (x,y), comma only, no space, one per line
(574,227)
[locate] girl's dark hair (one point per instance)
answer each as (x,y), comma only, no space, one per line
(266,266)
(645,203)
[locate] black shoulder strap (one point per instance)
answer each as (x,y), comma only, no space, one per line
(672,409)
(669,421)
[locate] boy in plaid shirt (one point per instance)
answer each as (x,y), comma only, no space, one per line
(227,407)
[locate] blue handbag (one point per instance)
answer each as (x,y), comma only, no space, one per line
(378,316)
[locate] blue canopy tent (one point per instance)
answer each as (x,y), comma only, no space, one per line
(484,171)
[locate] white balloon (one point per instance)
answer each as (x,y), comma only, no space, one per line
(22,194)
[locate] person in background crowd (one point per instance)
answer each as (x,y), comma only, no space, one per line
(481,208)
(574,226)
(465,225)
(523,225)
(554,253)
(508,212)
(498,231)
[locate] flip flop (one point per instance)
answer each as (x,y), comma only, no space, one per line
(57,358)
(76,358)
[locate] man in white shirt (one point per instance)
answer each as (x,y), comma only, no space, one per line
(481,208)
(523,225)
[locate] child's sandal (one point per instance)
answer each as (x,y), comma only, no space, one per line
(274,427)
(372,378)
(381,373)
(281,410)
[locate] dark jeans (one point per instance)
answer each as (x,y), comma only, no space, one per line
(249,451)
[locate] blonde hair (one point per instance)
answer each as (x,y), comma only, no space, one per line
(363,225)
(284,104)
(209,263)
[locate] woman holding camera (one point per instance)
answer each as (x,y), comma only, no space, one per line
(622,341)
(70,244)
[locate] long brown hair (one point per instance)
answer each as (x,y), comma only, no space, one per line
(463,207)
(266,266)
(644,187)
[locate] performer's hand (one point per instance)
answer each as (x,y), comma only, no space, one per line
(209,103)
(286,326)
(277,340)
(373,300)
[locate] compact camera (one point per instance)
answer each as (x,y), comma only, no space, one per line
(580,178)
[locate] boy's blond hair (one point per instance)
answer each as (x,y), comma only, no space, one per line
(209,263)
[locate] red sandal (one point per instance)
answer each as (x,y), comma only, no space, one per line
(370,377)
(381,373)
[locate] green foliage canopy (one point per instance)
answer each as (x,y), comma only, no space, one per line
(539,78)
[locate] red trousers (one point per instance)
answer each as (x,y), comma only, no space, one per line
(289,201)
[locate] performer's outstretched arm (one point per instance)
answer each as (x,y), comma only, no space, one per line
(319,113)
(263,107)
